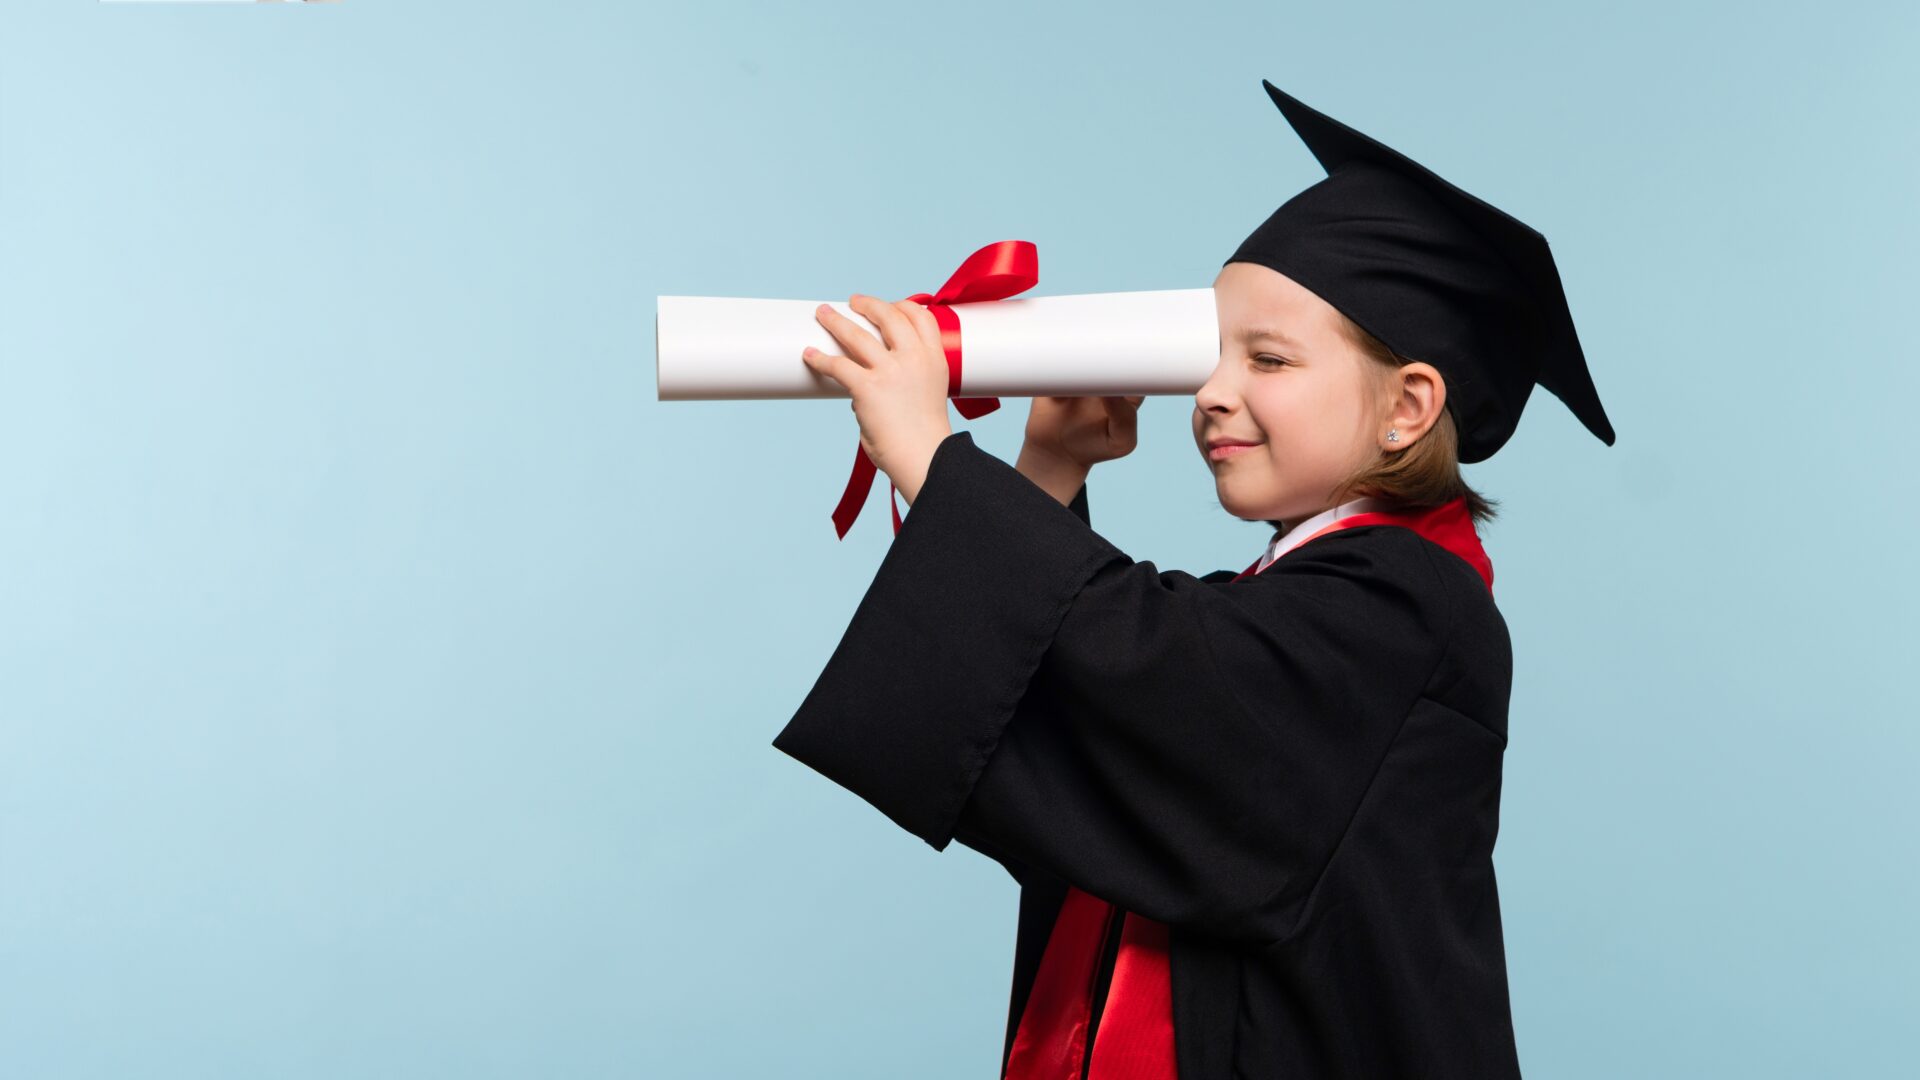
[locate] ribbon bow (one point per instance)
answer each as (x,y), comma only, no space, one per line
(995,272)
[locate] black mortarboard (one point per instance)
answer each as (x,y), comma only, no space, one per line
(1434,273)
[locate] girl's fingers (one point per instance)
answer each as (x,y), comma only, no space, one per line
(895,330)
(860,344)
(923,321)
(828,364)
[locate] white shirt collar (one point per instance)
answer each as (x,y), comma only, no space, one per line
(1298,534)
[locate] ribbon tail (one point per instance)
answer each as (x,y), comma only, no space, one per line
(855,496)
(974,408)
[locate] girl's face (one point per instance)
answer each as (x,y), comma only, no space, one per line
(1291,384)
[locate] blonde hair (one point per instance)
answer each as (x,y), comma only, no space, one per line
(1424,474)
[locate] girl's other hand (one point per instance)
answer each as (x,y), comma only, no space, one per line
(1084,430)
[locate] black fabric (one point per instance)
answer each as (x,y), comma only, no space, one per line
(1298,772)
(1435,273)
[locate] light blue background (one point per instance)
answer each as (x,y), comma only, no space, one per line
(386,679)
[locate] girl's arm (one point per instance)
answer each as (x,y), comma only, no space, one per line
(1188,750)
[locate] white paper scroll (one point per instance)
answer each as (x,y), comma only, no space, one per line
(1161,342)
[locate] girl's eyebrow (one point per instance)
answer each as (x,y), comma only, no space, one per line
(1258,332)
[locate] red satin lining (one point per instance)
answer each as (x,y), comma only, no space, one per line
(1450,525)
(1135,1040)
(995,272)
(1052,1038)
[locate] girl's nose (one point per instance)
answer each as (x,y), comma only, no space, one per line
(1216,393)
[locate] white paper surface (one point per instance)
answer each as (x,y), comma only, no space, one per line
(1167,341)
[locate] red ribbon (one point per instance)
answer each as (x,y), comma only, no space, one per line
(995,272)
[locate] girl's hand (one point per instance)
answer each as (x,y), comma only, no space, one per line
(1084,430)
(898,382)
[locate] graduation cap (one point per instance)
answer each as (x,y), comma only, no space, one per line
(1433,272)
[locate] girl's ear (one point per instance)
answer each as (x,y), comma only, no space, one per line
(1420,396)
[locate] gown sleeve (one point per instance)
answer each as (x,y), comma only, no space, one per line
(1190,750)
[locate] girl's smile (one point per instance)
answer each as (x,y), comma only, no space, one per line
(1221,451)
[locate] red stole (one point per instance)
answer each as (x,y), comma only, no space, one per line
(1135,1037)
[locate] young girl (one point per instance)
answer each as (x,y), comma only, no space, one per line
(1252,815)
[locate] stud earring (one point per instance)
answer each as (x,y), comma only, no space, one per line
(1393,434)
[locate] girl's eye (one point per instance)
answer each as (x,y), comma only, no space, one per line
(1266,358)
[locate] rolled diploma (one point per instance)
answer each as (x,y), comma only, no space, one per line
(710,348)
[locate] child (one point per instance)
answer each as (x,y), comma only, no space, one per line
(1252,816)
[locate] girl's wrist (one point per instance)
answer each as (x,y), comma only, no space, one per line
(1058,476)
(915,462)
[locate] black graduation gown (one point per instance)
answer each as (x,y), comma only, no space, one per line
(1298,772)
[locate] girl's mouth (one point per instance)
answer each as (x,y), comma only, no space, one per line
(1221,453)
